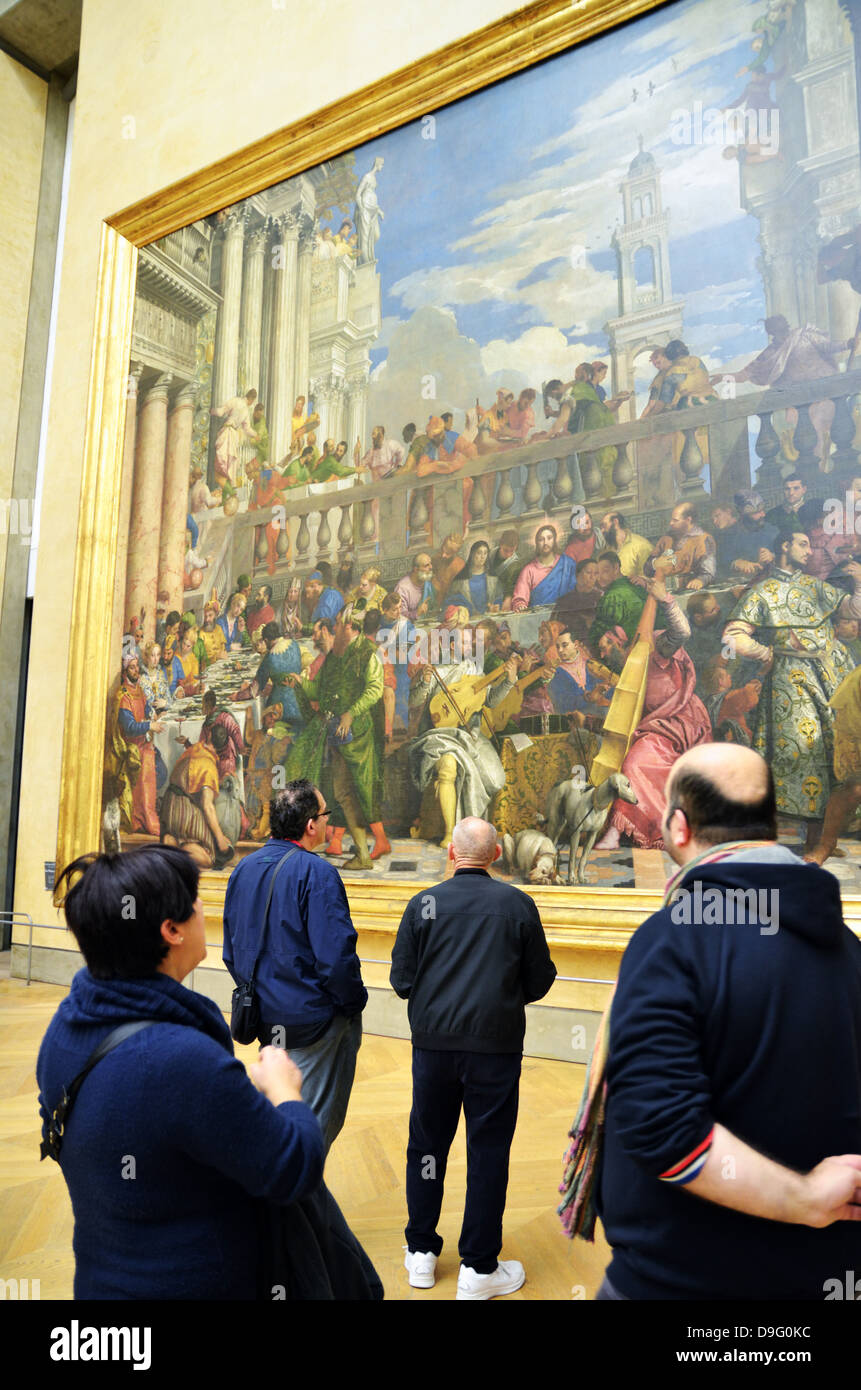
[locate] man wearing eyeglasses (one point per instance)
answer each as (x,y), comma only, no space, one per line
(308,978)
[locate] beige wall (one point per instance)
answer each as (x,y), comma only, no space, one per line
(23,98)
(192,83)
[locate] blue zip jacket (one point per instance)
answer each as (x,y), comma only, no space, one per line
(309,970)
(168,1144)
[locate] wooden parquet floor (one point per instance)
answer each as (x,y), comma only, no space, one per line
(365,1169)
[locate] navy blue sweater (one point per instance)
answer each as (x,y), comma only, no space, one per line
(168,1144)
(759,1031)
(309,970)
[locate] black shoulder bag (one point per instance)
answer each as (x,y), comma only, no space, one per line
(245,1020)
(52,1141)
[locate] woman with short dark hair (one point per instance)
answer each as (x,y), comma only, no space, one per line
(169,1143)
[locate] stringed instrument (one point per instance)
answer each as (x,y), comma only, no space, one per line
(626,706)
(458,703)
(512,702)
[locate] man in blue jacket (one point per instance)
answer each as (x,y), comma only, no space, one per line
(469,954)
(308,978)
(735,1033)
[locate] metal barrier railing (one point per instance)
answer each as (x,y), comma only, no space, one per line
(568,979)
(12,919)
(23,919)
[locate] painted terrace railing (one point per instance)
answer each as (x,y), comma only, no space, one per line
(679,455)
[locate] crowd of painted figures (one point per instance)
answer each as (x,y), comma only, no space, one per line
(754,632)
(681,380)
(753,625)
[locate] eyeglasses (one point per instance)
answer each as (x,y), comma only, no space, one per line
(327,812)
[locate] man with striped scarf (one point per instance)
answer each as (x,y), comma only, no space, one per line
(735,1033)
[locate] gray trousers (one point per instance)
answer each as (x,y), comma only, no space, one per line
(328,1067)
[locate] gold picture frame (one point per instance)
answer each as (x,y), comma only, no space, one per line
(594,920)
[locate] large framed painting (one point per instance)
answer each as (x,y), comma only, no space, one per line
(480,446)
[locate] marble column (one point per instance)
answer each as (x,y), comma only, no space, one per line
(281,390)
(145,527)
(355,417)
(320,391)
(121,612)
(302,349)
(263,391)
(225,372)
(252,309)
(174,504)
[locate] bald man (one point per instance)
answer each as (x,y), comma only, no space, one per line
(469,954)
(735,1033)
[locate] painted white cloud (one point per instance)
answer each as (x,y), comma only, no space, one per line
(563,210)
(538,355)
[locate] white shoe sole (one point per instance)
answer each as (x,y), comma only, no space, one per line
(478,1295)
(420,1281)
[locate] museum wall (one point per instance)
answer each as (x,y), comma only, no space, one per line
(162,91)
(23,99)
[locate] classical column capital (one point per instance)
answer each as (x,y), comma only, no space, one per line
(257,240)
(234,220)
(307,233)
(186,395)
(285,227)
(159,389)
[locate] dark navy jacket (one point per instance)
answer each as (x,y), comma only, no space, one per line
(168,1144)
(309,970)
(759,1031)
(469,954)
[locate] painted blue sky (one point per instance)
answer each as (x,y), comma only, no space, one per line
(481,220)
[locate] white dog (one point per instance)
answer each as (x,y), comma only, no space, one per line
(531,855)
(576,810)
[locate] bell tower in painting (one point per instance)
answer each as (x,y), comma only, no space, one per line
(648,314)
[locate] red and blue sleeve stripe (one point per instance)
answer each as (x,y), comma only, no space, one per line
(691,1165)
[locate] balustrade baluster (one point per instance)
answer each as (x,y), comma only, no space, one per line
(623,469)
(345,530)
(504,492)
(367,529)
(477,506)
(767,448)
(590,474)
(324,533)
(303,536)
(691,463)
(418,514)
(843,437)
(805,440)
(532,488)
(562,486)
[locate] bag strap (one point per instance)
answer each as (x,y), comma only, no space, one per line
(52,1143)
(262,941)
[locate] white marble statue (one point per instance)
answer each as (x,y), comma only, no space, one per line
(368,213)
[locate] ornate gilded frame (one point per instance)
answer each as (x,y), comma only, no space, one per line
(596,920)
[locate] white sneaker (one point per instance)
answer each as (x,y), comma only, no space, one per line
(421,1269)
(506,1278)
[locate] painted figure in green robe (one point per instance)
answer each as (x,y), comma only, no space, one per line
(340,749)
(620,605)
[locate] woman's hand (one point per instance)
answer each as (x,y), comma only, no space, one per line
(276,1075)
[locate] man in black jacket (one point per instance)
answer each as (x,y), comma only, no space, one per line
(469,954)
(735,1033)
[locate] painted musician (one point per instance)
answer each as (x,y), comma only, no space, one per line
(455,764)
